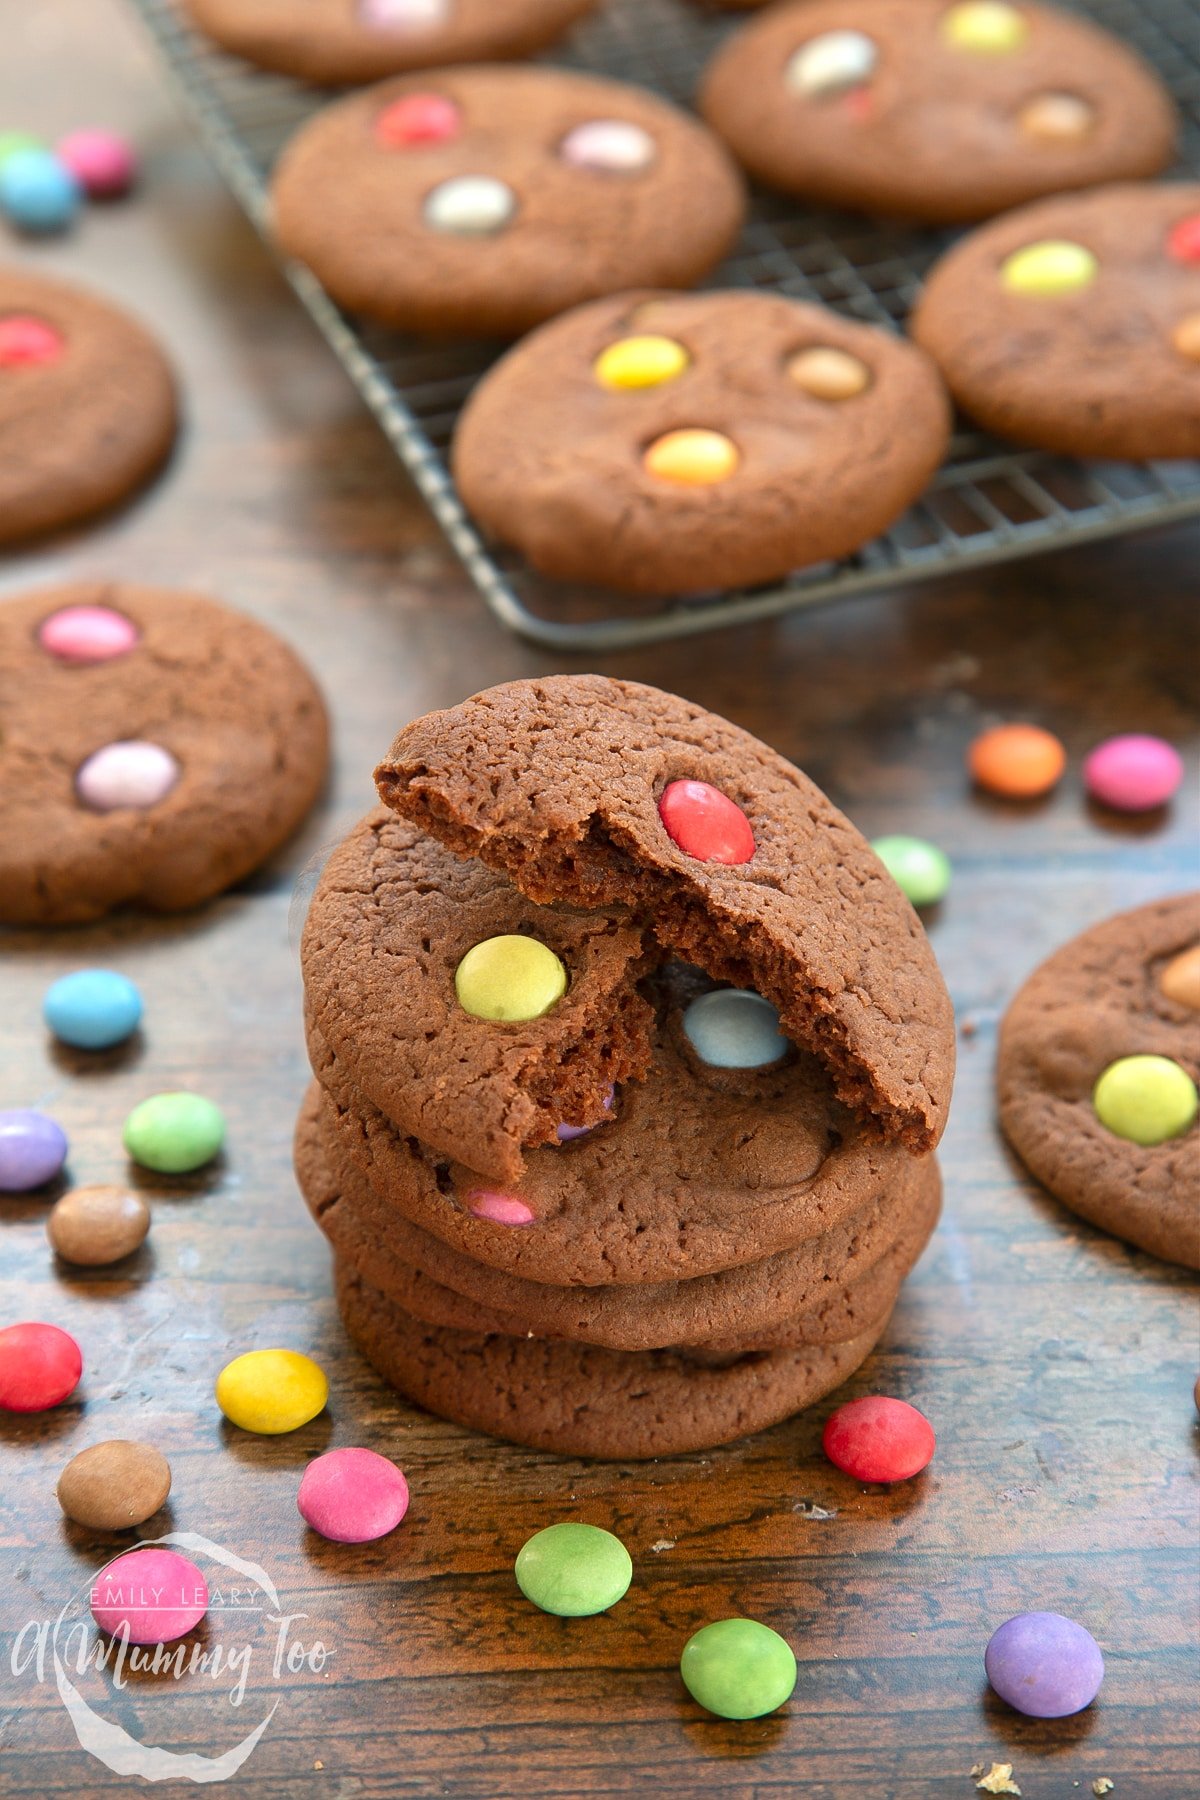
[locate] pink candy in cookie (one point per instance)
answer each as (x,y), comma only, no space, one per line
(501,1209)
(26,339)
(87,634)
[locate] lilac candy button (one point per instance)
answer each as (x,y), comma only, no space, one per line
(131,773)
(87,634)
(33,1148)
(566,1134)
(501,1209)
(403,15)
(609,144)
(1044,1665)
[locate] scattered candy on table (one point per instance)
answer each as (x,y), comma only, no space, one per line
(115,1485)
(734,1028)
(509,978)
(271,1391)
(38,193)
(33,1148)
(151,1596)
(174,1133)
(1146,1099)
(1017,762)
(1133,773)
(352,1496)
(1044,1665)
(40,1366)
(1180,979)
(738,1668)
(879,1439)
(103,162)
(705,823)
(92,1009)
(95,1226)
(573,1570)
(12,141)
(920,870)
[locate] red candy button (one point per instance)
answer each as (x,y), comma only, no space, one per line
(25,341)
(417,119)
(1184,241)
(39,1366)
(876,1439)
(706,823)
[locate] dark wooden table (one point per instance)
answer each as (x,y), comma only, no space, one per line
(1056,1364)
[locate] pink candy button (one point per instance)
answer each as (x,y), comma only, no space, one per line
(613,145)
(501,1209)
(706,823)
(416,119)
(131,773)
(26,341)
(87,634)
(153,1596)
(1134,773)
(402,15)
(352,1496)
(102,162)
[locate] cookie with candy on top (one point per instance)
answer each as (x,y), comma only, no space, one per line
(1074,324)
(944,111)
(480,201)
(667,443)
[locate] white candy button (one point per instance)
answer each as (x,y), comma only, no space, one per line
(831,63)
(470,205)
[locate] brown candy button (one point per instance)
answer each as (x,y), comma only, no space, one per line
(829,374)
(114,1485)
(1180,979)
(1186,336)
(1057,118)
(93,1226)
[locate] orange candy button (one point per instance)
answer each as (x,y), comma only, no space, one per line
(1018,762)
(1186,336)
(1180,980)
(692,458)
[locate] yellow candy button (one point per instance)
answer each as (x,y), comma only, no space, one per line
(1186,336)
(640,362)
(988,27)
(692,458)
(1054,267)
(271,1391)
(510,978)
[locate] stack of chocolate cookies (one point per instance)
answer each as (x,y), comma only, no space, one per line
(630,1059)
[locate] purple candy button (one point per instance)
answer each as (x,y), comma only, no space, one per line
(33,1149)
(1044,1665)
(566,1134)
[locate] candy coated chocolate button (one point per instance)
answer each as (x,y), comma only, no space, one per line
(130,773)
(988,27)
(612,145)
(1044,1665)
(738,1669)
(1133,773)
(352,1496)
(33,1148)
(87,634)
(26,341)
(706,823)
(1018,762)
(879,1439)
(418,119)
(102,162)
(1180,979)
(38,194)
(829,374)
(640,362)
(403,15)
(470,206)
(566,1134)
(1043,270)
(573,1571)
(510,978)
(920,870)
(1057,118)
(115,1485)
(1184,241)
(174,1133)
(92,1009)
(734,1028)
(95,1226)
(39,1367)
(1146,1099)
(830,64)
(501,1209)
(692,458)
(12,141)
(151,1596)
(271,1391)
(1186,336)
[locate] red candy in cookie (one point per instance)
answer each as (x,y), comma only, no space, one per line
(417,119)
(39,1366)
(1184,242)
(877,1439)
(706,823)
(26,341)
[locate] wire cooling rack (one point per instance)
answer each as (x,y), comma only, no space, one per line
(988,503)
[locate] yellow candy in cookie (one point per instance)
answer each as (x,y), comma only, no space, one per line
(1186,336)
(987,27)
(1056,266)
(693,458)
(640,362)
(509,978)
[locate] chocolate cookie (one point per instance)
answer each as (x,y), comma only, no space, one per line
(1074,325)
(664,443)
(581,1401)
(340,42)
(87,404)
(1127,988)
(943,113)
(154,748)
(481,201)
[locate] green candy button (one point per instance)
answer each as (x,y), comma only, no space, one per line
(920,870)
(1146,1099)
(574,1570)
(174,1133)
(738,1668)
(12,142)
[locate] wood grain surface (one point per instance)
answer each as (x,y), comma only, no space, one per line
(1056,1364)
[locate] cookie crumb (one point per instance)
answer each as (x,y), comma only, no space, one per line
(998,1780)
(1102,1785)
(810,1510)
(977,1769)
(662,1544)
(318,1765)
